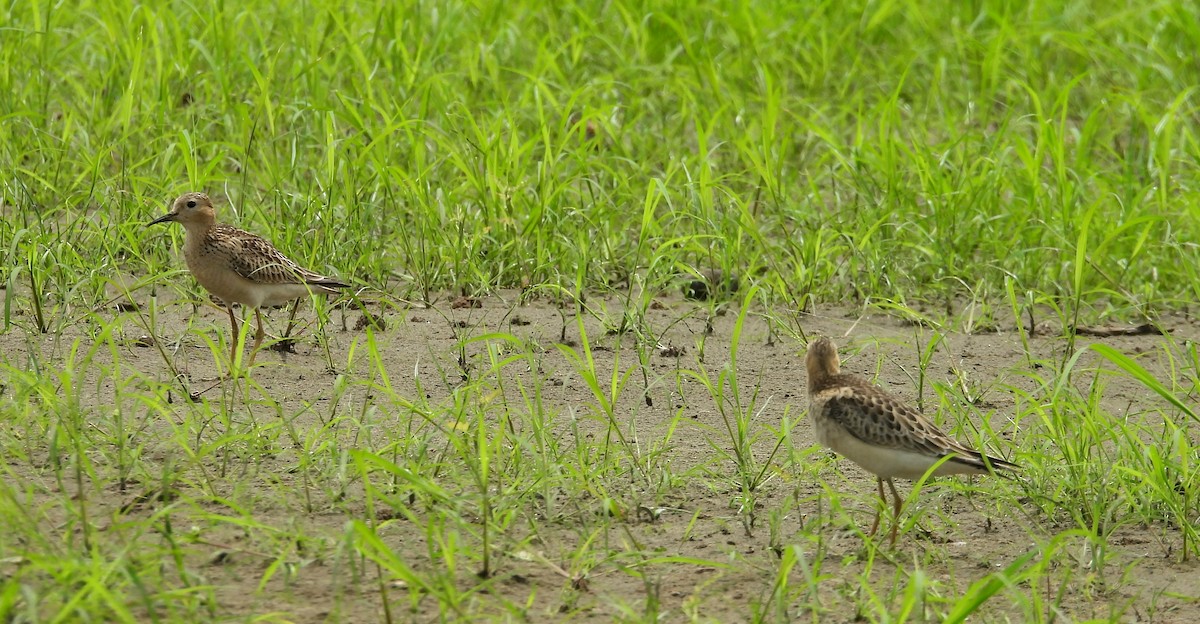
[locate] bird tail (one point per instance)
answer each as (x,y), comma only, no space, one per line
(990,464)
(326,284)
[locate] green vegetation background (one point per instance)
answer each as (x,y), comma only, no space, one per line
(837,150)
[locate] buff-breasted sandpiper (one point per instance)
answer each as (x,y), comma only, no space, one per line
(877,431)
(239,267)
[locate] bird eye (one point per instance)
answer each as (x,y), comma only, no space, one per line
(191,203)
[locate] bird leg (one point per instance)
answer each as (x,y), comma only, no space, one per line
(287,343)
(233,338)
(895,508)
(258,335)
(287,334)
(878,510)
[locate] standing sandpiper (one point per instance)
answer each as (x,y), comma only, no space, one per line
(239,267)
(877,431)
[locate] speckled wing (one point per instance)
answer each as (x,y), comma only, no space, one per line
(881,420)
(253,258)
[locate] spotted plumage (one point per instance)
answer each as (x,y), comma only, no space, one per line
(253,258)
(239,267)
(877,431)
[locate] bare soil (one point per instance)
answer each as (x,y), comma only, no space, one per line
(251,503)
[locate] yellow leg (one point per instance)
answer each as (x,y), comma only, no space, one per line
(233,338)
(878,510)
(895,509)
(258,336)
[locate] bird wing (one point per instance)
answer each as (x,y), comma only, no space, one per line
(879,419)
(257,260)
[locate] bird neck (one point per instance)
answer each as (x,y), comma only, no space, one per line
(197,231)
(820,370)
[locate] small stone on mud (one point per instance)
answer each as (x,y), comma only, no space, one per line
(370,320)
(466,302)
(284,345)
(672,351)
(713,284)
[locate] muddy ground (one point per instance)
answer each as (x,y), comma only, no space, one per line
(810,501)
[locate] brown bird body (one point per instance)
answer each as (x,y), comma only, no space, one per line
(239,267)
(877,431)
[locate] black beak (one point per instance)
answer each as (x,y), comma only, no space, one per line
(170,216)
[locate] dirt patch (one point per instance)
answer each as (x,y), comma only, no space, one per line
(267,519)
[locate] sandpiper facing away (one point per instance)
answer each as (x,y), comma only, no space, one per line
(861,421)
(240,267)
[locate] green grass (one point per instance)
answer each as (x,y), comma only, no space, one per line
(885,151)
(964,168)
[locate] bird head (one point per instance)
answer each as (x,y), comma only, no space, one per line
(822,360)
(190,209)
